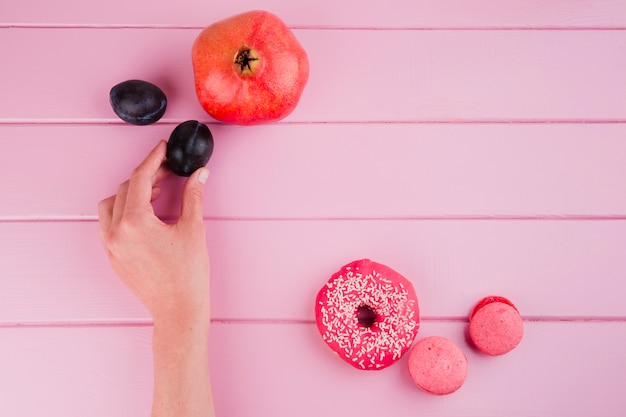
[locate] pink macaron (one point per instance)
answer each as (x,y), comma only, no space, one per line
(437,365)
(496,326)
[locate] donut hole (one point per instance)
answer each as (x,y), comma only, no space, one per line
(366,316)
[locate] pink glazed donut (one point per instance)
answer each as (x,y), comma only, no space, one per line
(368,314)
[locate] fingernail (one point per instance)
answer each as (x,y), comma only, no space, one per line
(203,175)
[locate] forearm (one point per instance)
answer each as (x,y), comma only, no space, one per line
(181,369)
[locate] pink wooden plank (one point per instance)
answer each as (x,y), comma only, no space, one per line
(558,369)
(75,371)
(344,13)
(566,75)
(57,272)
(332,170)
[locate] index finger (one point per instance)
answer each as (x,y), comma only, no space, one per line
(143,178)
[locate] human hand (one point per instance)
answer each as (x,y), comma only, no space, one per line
(165,265)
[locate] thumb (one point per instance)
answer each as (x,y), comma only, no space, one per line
(193,193)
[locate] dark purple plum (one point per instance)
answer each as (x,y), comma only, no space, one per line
(190,146)
(138,102)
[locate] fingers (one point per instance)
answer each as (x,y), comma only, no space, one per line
(193,196)
(143,179)
(161,174)
(156,192)
(105,214)
(111,210)
(119,204)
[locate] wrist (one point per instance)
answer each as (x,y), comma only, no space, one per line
(182,321)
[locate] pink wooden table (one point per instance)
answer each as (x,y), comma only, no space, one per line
(476,147)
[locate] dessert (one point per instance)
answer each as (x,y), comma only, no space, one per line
(437,365)
(368,314)
(496,326)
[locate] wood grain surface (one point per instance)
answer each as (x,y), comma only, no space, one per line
(336,170)
(478,148)
(356,75)
(285,369)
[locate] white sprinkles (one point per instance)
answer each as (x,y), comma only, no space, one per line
(391,335)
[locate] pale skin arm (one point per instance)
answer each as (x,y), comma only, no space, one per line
(167,267)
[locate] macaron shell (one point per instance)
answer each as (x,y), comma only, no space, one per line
(496,328)
(437,365)
(488,300)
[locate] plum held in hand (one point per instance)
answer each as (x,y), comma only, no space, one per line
(190,146)
(249,69)
(138,102)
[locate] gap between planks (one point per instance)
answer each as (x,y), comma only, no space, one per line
(478,217)
(260,321)
(311,27)
(174,122)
